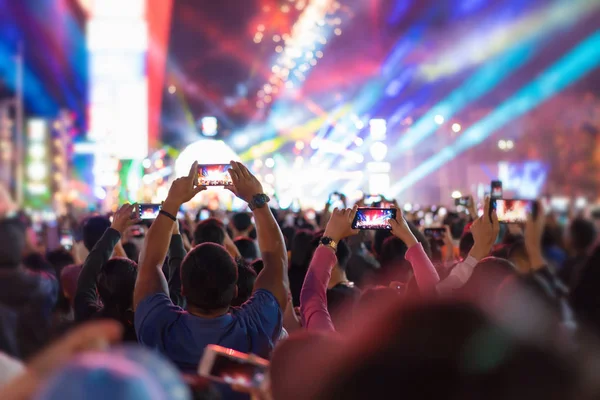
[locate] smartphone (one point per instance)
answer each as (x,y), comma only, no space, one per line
(464,201)
(373,218)
(148,211)
(336,200)
(232,367)
(435,233)
(214,175)
(514,211)
(496,190)
(66,240)
(204,214)
(371,199)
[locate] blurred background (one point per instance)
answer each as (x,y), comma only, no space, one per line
(103,101)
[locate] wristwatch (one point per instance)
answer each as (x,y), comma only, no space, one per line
(329,242)
(258,201)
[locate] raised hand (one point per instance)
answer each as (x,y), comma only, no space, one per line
(340,224)
(124,218)
(185,188)
(485,231)
(245,185)
(401,230)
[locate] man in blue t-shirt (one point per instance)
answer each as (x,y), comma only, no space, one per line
(208,283)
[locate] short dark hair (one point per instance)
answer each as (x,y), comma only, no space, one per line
(59,259)
(208,277)
(12,237)
(210,230)
(247,248)
(382,235)
(582,233)
(241,221)
(245,283)
(392,259)
(257,265)
(116,281)
(466,244)
(342,253)
(132,251)
(93,229)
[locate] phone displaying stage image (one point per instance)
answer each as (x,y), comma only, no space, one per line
(232,367)
(214,175)
(373,218)
(149,211)
(514,211)
(496,190)
(66,240)
(464,201)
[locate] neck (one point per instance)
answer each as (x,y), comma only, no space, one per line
(198,312)
(337,276)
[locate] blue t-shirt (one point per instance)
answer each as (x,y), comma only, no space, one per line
(252,328)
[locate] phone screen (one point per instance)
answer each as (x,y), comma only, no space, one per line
(233,370)
(371,199)
(214,175)
(496,192)
(435,233)
(149,211)
(66,240)
(512,211)
(464,201)
(373,218)
(204,214)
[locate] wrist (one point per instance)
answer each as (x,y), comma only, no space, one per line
(171,206)
(336,238)
(479,252)
(409,239)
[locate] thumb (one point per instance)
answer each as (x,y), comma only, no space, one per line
(199,189)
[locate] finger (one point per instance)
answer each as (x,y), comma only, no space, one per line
(244,170)
(487,205)
(353,212)
(193,170)
(234,173)
(199,189)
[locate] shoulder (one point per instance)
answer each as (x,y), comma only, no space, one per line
(154,309)
(262,305)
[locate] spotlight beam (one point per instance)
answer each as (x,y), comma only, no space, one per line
(570,68)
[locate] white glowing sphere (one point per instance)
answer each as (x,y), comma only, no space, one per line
(456,194)
(378,151)
(439,119)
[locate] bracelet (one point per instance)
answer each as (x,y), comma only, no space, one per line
(168,215)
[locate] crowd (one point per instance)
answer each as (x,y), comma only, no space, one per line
(488,311)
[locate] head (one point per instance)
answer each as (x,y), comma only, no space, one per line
(245,283)
(382,235)
(132,251)
(466,244)
(302,249)
(487,277)
(68,281)
(12,239)
(209,277)
(552,237)
(257,265)
(582,235)
(517,254)
(391,258)
(116,281)
(93,229)
(59,259)
(288,234)
(242,222)
(210,230)
(247,248)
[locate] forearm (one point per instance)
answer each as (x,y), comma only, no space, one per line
(425,274)
(459,275)
(150,276)
(86,284)
(313,297)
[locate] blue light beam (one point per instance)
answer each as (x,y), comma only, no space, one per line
(566,71)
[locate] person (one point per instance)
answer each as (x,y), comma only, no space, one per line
(27,298)
(245,283)
(211,230)
(105,285)
(208,283)
(241,224)
(581,237)
(301,253)
(93,229)
(247,248)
